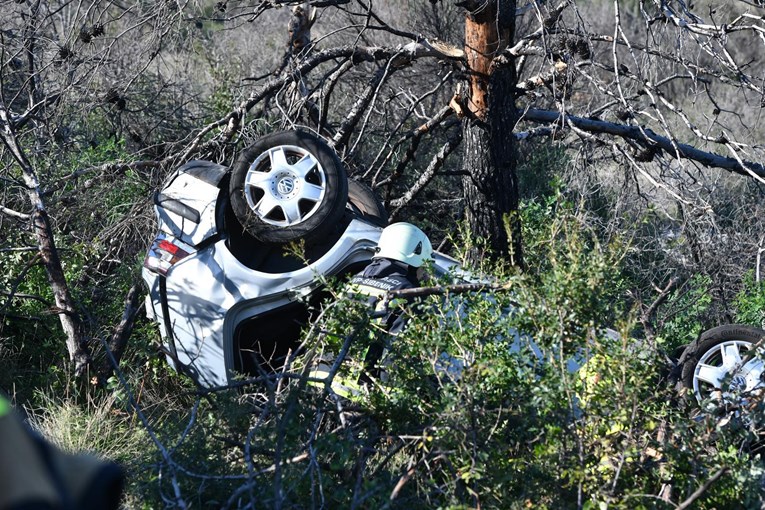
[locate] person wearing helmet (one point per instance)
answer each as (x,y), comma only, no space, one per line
(401,252)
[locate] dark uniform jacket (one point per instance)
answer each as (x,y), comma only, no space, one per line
(377,279)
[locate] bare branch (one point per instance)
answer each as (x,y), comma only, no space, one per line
(340,140)
(647,136)
(427,175)
(17,281)
(121,333)
(701,490)
(14,214)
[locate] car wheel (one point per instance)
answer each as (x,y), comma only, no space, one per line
(366,202)
(288,186)
(722,363)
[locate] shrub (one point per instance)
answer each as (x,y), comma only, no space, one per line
(516,397)
(750,302)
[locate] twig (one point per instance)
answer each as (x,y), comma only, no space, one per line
(149,430)
(645,317)
(701,490)
(401,482)
(430,172)
(29,265)
(14,214)
(446,289)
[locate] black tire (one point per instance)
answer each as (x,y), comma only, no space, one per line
(704,361)
(299,195)
(366,203)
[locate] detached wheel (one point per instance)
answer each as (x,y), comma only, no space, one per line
(288,186)
(366,203)
(721,364)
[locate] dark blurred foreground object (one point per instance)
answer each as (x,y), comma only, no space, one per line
(35,475)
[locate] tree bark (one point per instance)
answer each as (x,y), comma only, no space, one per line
(491,184)
(76,342)
(120,335)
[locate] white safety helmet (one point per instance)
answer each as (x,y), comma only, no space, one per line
(404,242)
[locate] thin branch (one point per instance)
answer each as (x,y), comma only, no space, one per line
(14,214)
(121,332)
(166,455)
(414,135)
(646,317)
(340,140)
(430,172)
(701,490)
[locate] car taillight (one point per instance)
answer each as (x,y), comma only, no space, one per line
(164,253)
(169,247)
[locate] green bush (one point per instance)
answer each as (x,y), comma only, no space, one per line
(536,395)
(479,405)
(750,302)
(682,317)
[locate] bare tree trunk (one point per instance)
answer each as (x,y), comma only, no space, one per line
(70,321)
(491,186)
(76,343)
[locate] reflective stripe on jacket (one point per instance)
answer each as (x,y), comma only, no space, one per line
(379,278)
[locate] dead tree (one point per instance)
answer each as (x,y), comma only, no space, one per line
(584,75)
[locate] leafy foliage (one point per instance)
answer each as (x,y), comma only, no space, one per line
(684,313)
(750,302)
(510,398)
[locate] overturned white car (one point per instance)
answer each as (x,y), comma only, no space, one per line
(228,296)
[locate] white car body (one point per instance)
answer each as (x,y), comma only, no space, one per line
(201,290)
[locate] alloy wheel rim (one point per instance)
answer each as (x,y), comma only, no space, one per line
(285,186)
